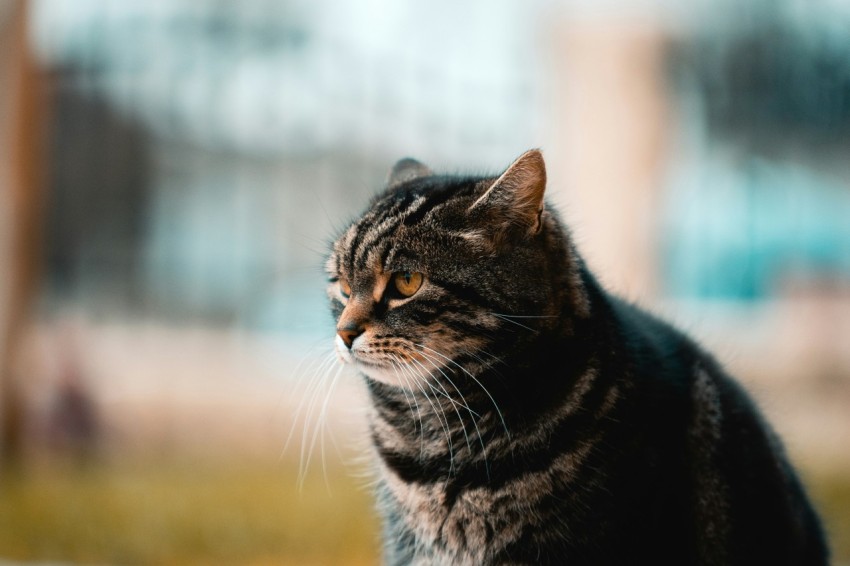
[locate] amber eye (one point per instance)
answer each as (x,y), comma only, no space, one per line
(407,282)
(344,288)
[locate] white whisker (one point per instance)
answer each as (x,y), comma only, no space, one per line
(453,403)
(507,319)
(475,379)
(318,429)
(523,315)
(444,422)
(310,384)
(396,367)
(472,413)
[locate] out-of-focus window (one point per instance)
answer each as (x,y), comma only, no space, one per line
(759,191)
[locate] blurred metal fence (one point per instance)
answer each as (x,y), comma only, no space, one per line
(203,152)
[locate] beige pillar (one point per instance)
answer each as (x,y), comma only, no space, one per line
(608,99)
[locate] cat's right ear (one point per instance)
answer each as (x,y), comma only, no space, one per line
(406,170)
(513,205)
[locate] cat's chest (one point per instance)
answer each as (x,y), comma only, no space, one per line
(467,525)
(449,528)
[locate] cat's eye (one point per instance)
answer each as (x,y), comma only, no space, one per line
(344,288)
(407,282)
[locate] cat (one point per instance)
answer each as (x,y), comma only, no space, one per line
(521,414)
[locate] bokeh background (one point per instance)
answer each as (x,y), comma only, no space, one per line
(172,171)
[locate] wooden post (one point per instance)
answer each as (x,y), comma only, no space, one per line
(22,103)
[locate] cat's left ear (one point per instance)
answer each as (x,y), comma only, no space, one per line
(406,170)
(513,204)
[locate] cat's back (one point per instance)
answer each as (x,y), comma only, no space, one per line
(746,503)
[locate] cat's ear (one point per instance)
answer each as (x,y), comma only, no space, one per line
(513,204)
(406,170)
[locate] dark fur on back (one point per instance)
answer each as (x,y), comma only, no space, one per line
(523,415)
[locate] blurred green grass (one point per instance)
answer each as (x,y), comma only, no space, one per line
(229,512)
(169,513)
(830,490)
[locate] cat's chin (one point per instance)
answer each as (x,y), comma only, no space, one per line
(386,375)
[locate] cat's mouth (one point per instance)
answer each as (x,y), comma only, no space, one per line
(385,371)
(401,368)
(367,366)
(343,352)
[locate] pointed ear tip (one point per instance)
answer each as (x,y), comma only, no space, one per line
(534,153)
(532,161)
(533,158)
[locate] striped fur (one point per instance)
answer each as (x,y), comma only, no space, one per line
(522,415)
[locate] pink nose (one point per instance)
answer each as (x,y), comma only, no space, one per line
(348,333)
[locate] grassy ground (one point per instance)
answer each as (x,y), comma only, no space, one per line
(234,513)
(831,494)
(171,513)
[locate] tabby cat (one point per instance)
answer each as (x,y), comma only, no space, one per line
(521,414)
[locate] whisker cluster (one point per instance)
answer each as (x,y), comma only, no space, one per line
(320,376)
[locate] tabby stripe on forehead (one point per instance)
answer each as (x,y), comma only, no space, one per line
(360,255)
(388,222)
(432,203)
(370,218)
(385,255)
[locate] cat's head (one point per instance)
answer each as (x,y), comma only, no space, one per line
(446,272)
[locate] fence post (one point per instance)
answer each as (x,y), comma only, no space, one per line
(22,103)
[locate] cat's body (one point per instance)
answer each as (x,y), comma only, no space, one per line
(522,415)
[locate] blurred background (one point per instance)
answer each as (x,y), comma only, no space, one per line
(172,171)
